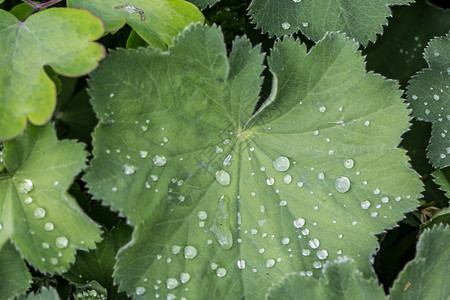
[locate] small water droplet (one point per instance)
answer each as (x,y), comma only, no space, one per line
(342,184)
(314,243)
(190,252)
(384,199)
(349,163)
(61,242)
(365,204)
(176,249)
(270,181)
(317,264)
(316,132)
(300,184)
(140,290)
(283,203)
(321,176)
(185,277)
(305,24)
(270,263)
(128,169)
(28,200)
(322,254)
(213,266)
(202,215)
(374,214)
(159,160)
(285,26)
(306,252)
(49,226)
(287,179)
(39,213)
(322,109)
(143,153)
(26,186)
(436,97)
(376,191)
(45,245)
(285,241)
(305,231)
(241,264)
(281,163)
(221,226)
(223,178)
(221,272)
(171,283)
(299,222)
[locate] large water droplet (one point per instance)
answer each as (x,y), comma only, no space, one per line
(322,254)
(221,272)
(140,290)
(365,205)
(299,222)
(171,283)
(159,160)
(314,243)
(61,242)
(39,213)
(342,184)
(349,163)
(185,277)
(223,177)
(190,252)
(281,163)
(241,264)
(128,169)
(221,226)
(26,186)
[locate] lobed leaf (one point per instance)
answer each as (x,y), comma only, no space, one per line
(226,202)
(339,280)
(14,276)
(37,214)
(155,21)
(55,37)
(359,19)
(427,275)
(429,97)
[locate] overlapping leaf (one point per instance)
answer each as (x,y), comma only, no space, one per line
(426,276)
(36,213)
(360,19)
(14,275)
(224,202)
(156,21)
(429,97)
(57,37)
(340,280)
(44,294)
(204,3)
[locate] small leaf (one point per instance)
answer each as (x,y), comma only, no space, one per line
(55,37)
(44,294)
(339,280)
(164,19)
(14,276)
(42,220)
(223,198)
(360,19)
(442,178)
(429,96)
(426,277)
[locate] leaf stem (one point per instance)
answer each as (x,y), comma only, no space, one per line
(38,6)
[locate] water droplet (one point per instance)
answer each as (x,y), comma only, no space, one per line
(45,245)
(317,264)
(340,236)
(241,264)
(427,111)
(221,272)
(213,266)
(322,109)
(283,203)
(287,179)
(374,214)
(185,277)
(316,132)
(176,249)
(321,176)
(270,181)
(190,252)
(349,163)
(39,213)
(223,178)
(171,283)
(305,24)
(61,242)
(270,263)
(28,200)
(299,222)
(300,184)
(227,161)
(306,252)
(297,1)
(436,97)
(365,205)
(49,226)
(305,231)
(281,163)
(202,215)
(285,26)
(143,154)
(159,160)
(384,199)
(26,186)
(342,184)
(322,254)
(221,226)
(140,290)
(285,241)
(54,261)
(314,243)
(261,251)
(376,191)
(128,169)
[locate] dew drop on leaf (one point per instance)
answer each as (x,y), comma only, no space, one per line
(26,186)
(39,213)
(171,283)
(176,249)
(185,277)
(190,252)
(221,226)
(270,263)
(61,242)
(28,200)
(221,272)
(314,243)
(349,163)
(342,184)
(365,204)
(299,222)
(202,215)
(143,153)
(241,264)
(159,160)
(223,178)
(281,163)
(270,181)
(285,26)
(322,254)
(287,179)
(128,169)
(140,290)
(49,226)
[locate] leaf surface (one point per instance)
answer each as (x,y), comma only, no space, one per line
(14,276)
(426,276)
(359,19)
(208,185)
(163,19)
(339,280)
(429,96)
(44,294)
(55,37)
(37,214)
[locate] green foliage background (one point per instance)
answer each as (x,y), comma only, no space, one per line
(169,97)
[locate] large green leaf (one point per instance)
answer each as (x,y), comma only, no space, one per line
(37,214)
(156,21)
(427,276)
(397,54)
(57,37)
(218,211)
(360,19)
(340,280)
(429,96)
(14,275)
